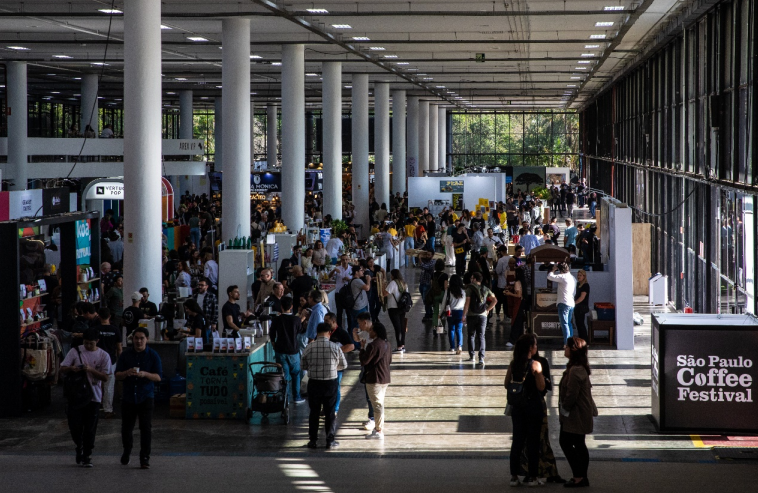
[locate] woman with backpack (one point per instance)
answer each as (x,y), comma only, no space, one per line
(453,302)
(524,383)
(394,291)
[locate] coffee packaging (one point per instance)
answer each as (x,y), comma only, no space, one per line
(238,345)
(190,344)
(198,344)
(248,343)
(216,344)
(223,345)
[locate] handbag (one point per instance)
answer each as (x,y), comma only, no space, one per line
(516,396)
(76,387)
(36,362)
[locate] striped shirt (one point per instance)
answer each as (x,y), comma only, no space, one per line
(323,359)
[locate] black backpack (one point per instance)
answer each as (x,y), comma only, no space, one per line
(404,302)
(345,296)
(516,394)
(76,387)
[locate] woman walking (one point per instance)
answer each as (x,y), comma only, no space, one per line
(582,306)
(375,358)
(518,304)
(393,291)
(577,410)
(526,411)
(453,302)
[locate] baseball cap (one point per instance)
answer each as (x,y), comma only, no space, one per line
(136,296)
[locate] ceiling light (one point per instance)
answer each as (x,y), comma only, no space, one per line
(348,87)
(110,11)
(361,38)
(402,63)
(614,7)
(62,56)
(99,64)
(196,38)
(570,85)
(311,74)
(591,47)
(276,64)
(576,78)
(180,78)
(583,61)
(165,27)
(253,93)
(428,78)
(377,48)
(203,97)
(219,87)
(390,56)
(597,36)
(18,48)
(580,68)
(54,92)
(255,57)
(77,78)
(604,24)
(170,93)
(439,87)
(318,11)
(342,26)
(588,54)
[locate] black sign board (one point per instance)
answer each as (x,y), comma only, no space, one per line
(546,324)
(704,376)
(55,201)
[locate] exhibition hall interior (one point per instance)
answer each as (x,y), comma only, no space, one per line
(352,245)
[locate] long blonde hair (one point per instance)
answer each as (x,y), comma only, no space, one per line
(583,272)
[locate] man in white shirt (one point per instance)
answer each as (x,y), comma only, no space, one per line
(333,246)
(342,274)
(566,290)
(210,271)
(491,242)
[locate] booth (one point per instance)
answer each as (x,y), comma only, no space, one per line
(544,312)
(108,193)
(704,369)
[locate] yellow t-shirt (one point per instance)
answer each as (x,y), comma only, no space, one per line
(410,230)
(392,231)
(374,230)
(455,216)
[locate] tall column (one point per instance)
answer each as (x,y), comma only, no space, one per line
(433,138)
(252,133)
(18,152)
(272,123)
(360,152)
(382,143)
(398,142)
(235,82)
(142,146)
(423,137)
(293,136)
(441,139)
(186,131)
(218,134)
(89,106)
(412,142)
(332,138)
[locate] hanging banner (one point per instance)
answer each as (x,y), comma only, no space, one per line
(451,186)
(83,242)
(265,182)
(55,201)
(457,201)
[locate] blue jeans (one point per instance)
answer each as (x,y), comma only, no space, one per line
(593,206)
(409,245)
(354,322)
(423,289)
(430,242)
(291,368)
(195,235)
(339,396)
(455,328)
(565,314)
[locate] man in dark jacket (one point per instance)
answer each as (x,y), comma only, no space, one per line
(376,357)
(284,331)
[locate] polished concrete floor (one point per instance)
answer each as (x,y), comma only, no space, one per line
(445,431)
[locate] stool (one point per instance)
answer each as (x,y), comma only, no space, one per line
(601,326)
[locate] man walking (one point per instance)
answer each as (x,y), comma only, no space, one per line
(566,288)
(375,359)
(323,359)
(284,337)
(110,342)
(139,367)
(426,260)
(83,417)
(340,336)
(479,302)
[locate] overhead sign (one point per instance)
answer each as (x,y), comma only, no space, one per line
(106,190)
(451,186)
(265,182)
(24,203)
(83,242)
(55,201)
(480,58)
(314,181)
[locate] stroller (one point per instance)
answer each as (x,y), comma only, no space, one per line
(270,391)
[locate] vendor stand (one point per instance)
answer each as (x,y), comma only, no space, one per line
(543,317)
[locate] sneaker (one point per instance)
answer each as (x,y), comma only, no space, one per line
(299,401)
(515,481)
(471,358)
(369,425)
(402,349)
(375,435)
(86,461)
(459,350)
(312,444)
(398,350)
(508,345)
(144,464)
(125,458)
(532,482)
(453,350)
(78,457)
(332,445)
(480,363)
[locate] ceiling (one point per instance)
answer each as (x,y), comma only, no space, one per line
(537,53)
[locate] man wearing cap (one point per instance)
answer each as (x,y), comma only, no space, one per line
(132,314)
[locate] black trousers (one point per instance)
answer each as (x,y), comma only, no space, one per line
(476,326)
(576,453)
(460,263)
(82,423)
(527,424)
(502,301)
(580,318)
(130,413)
(396,317)
(322,394)
(517,324)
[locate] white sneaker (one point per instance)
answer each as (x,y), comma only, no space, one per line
(515,481)
(508,345)
(375,435)
(369,425)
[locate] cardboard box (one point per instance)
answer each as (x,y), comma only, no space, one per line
(176,407)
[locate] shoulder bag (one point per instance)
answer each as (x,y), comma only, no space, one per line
(76,387)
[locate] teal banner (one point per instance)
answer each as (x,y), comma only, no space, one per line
(83,242)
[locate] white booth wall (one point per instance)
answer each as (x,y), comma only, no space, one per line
(489,186)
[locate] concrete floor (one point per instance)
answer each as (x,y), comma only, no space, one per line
(445,432)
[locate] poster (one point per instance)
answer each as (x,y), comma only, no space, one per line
(55,201)
(83,242)
(24,203)
(451,186)
(218,386)
(265,182)
(457,201)
(527,178)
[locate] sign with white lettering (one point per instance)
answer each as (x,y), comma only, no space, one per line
(265,182)
(106,190)
(703,376)
(83,242)
(24,203)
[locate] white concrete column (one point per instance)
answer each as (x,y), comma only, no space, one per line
(235,83)
(293,136)
(218,134)
(332,138)
(272,122)
(142,147)
(89,106)
(412,142)
(433,137)
(441,139)
(18,114)
(360,152)
(398,142)
(252,133)
(382,143)
(186,131)
(423,137)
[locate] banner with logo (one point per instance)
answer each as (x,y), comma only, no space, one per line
(55,201)
(451,186)
(265,182)
(83,242)
(24,203)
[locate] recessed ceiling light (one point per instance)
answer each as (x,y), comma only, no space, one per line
(165,27)
(203,97)
(348,87)
(614,7)
(597,36)
(318,11)
(428,78)
(604,24)
(583,61)
(588,54)
(255,57)
(219,87)
(571,85)
(591,47)
(77,78)
(170,93)
(576,78)
(580,68)
(196,38)
(342,26)
(311,74)
(439,87)
(276,64)
(361,38)
(390,56)
(377,48)
(110,11)
(18,48)
(62,56)
(180,78)
(99,64)
(402,63)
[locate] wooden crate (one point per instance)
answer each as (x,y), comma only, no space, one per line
(641,245)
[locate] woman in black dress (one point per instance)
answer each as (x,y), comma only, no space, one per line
(582,304)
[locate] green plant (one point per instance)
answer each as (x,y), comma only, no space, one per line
(541,193)
(338,227)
